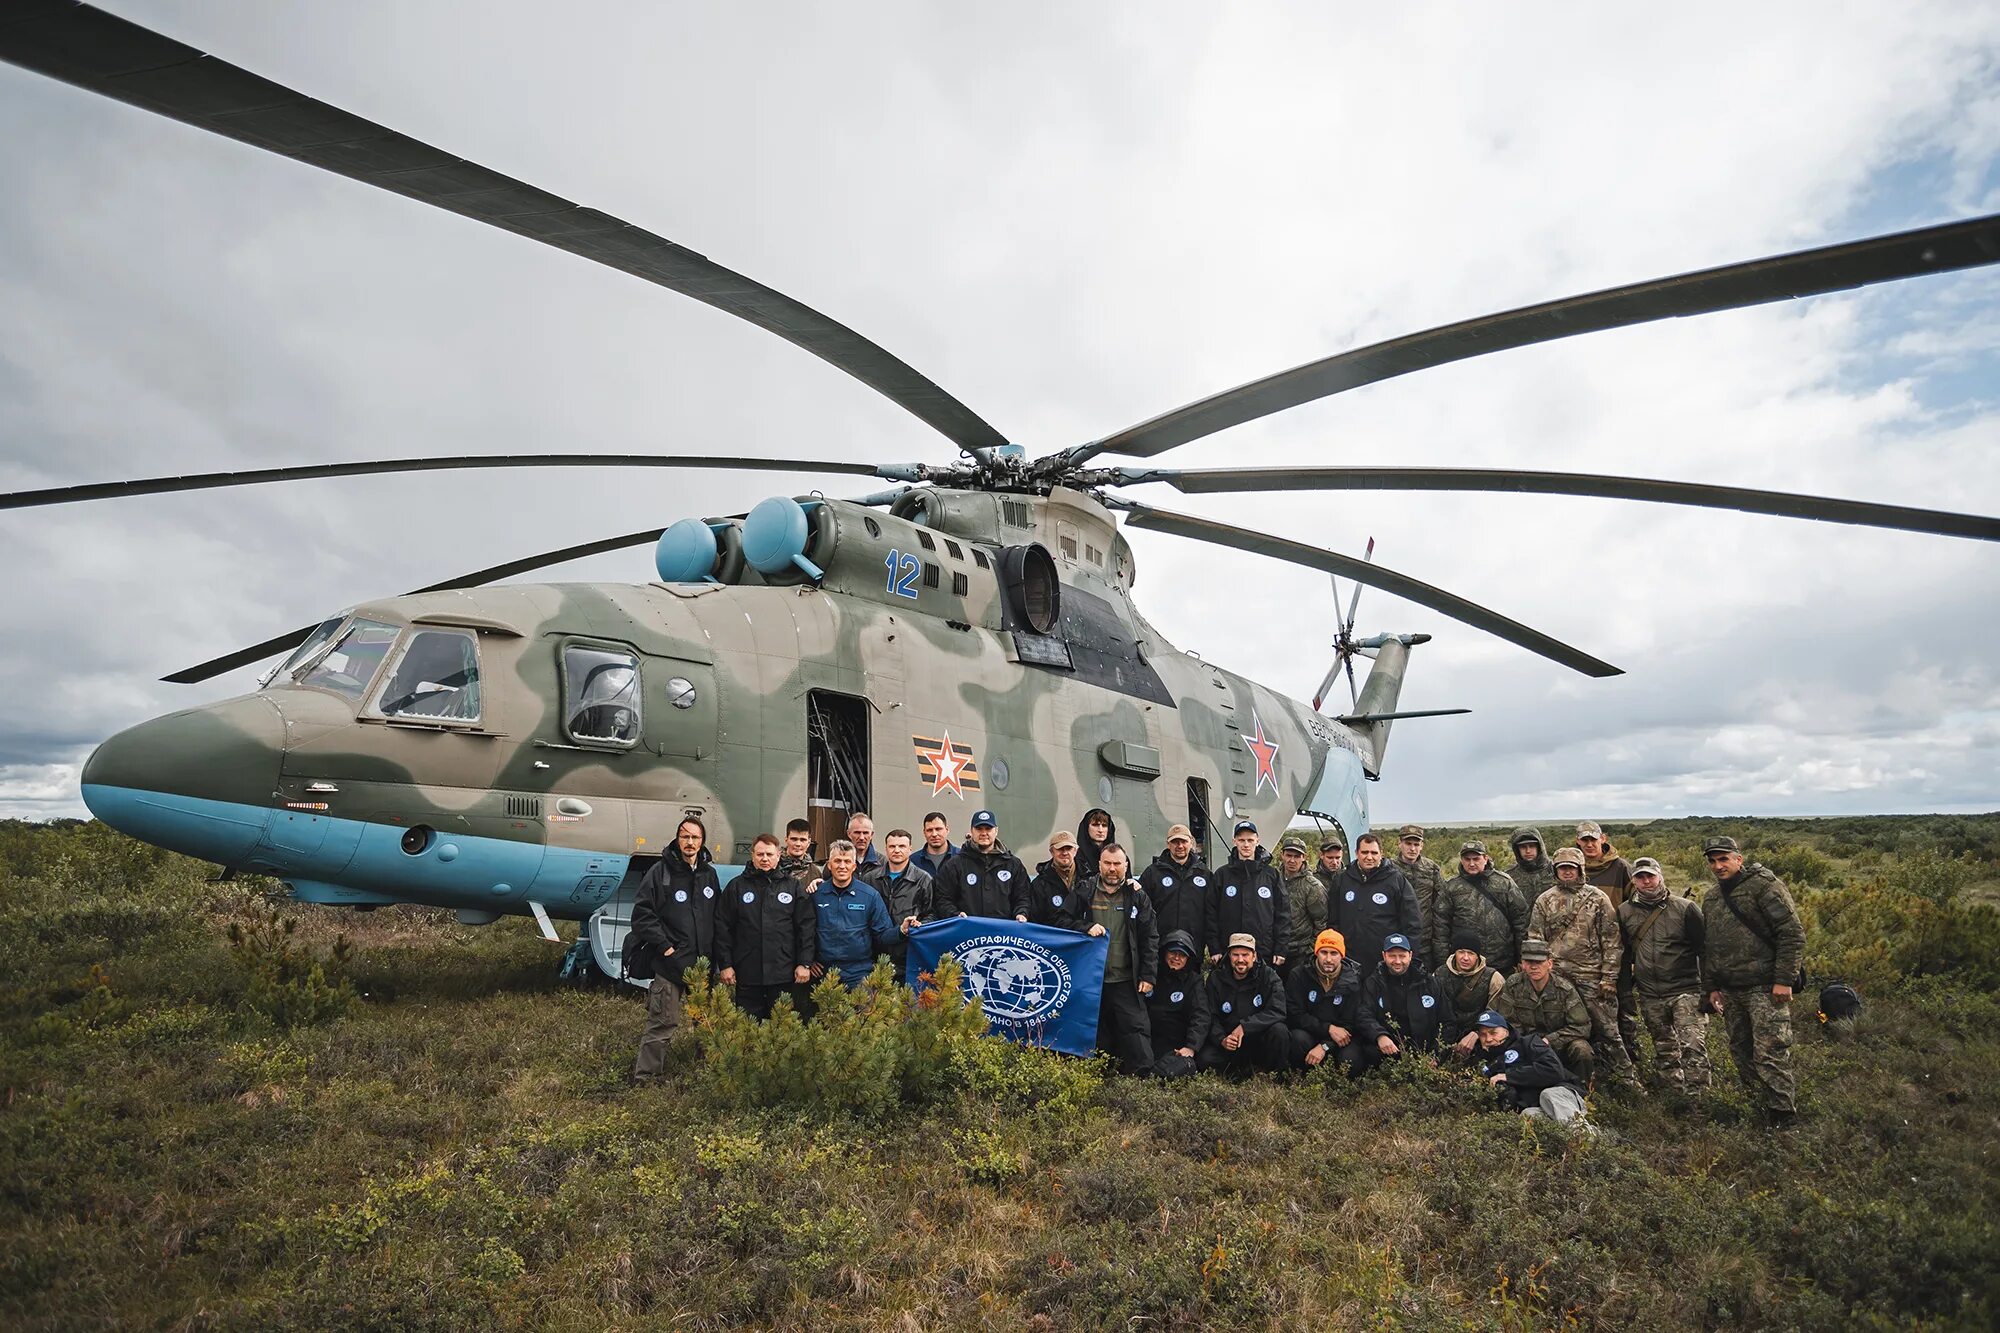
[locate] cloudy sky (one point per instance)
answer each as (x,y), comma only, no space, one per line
(1072,217)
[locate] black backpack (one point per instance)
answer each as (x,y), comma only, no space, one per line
(1838,1002)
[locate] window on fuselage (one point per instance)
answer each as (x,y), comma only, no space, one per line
(600,695)
(436,678)
(353,661)
(305,651)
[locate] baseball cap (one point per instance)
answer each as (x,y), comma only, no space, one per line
(1241,940)
(984,819)
(1534,951)
(1410,831)
(1472,848)
(1180,831)
(1647,863)
(1590,829)
(1569,856)
(1332,844)
(1720,844)
(1246,826)
(1492,1018)
(1330,939)
(1060,839)
(1293,845)
(1397,941)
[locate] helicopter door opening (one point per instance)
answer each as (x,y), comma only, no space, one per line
(1197,819)
(836,763)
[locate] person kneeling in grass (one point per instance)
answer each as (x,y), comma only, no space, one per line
(1526,1071)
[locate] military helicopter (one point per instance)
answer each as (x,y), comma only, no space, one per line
(966,638)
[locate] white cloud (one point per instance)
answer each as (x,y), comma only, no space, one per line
(1073,218)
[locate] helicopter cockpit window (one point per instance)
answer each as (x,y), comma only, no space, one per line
(353,661)
(600,695)
(305,651)
(436,678)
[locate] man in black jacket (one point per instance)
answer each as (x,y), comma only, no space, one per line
(1240,1027)
(1053,894)
(1323,1007)
(1249,899)
(766,933)
(1400,1009)
(1117,908)
(1371,900)
(673,923)
(983,878)
(1528,1074)
(1178,884)
(906,890)
(1171,1007)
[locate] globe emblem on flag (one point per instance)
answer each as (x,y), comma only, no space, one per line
(1014,980)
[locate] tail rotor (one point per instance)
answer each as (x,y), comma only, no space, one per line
(1344,646)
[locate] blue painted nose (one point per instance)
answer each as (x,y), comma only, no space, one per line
(202,781)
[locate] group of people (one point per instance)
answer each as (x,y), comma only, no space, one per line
(1540,973)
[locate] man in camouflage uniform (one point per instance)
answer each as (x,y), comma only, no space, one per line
(1532,872)
(1481,899)
(1755,945)
(1332,860)
(1580,927)
(1604,868)
(1305,894)
(1664,941)
(1538,1001)
(1426,880)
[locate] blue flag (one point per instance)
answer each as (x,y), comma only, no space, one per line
(1036,984)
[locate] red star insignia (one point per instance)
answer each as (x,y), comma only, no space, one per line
(948,764)
(1266,752)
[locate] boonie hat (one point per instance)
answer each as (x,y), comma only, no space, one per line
(1330,939)
(1241,940)
(1246,826)
(1535,951)
(1397,941)
(984,819)
(1060,839)
(1180,831)
(1645,864)
(1492,1018)
(1720,844)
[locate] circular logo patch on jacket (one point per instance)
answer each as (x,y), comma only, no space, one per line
(1430,1000)
(1006,875)
(1056,900)
(1312,997)
(1226,1006)
(784,897)
(972,879)
(708,892)
(1178,996)
(680,895)
(1263,890)
(1200,882)
(1229,891)
(749,897)
(1511,1057)
(1256,1001)
(1350,895)
(1381,899)
(1166,881)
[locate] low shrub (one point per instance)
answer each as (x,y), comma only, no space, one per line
(286,980)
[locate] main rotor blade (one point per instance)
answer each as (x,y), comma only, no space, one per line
(290,639)
(1832,268)
(105,54)
(201,481)
(1784,504)
(1376,576)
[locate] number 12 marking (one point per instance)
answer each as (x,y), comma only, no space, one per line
(903,569)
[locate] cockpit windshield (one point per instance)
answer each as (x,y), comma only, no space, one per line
(354,660)
(304,652)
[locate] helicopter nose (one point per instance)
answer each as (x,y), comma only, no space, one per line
(199,781)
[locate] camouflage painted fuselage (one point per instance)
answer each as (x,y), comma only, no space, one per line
(965,709)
